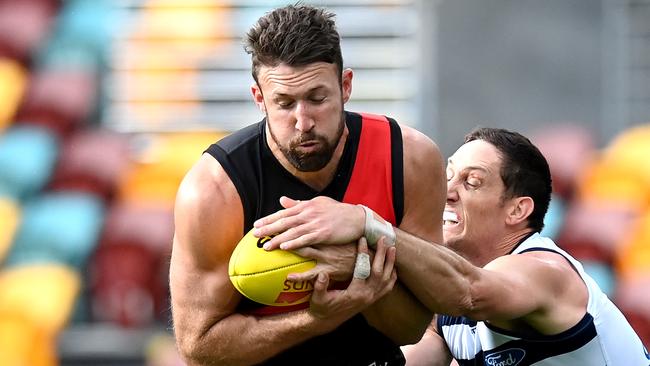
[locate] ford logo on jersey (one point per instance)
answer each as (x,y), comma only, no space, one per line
(509,357)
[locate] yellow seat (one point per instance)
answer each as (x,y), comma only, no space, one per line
(43,294)
(23,343)
(162,164)
(633,259)
(9,220)
(13,79)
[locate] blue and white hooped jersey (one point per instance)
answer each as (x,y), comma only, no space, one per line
(602,338)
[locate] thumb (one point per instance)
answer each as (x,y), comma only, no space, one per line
(287,202)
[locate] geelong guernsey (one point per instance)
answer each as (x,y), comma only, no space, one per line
(603,336)
(370,172)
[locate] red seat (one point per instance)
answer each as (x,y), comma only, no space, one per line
(129,272)
(567,147)
(596,230)
(59,99)
(23,26)
(633,298)
(92,161)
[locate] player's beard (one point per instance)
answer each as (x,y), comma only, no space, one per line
(310,161)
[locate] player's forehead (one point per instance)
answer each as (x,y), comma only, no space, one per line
(477,154)
(290,80)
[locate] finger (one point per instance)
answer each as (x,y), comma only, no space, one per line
(287,202)
(303,276)
(288,230)
(389,266)
(362,245)
(362,267)
(274,217)
(308,252)
(296,241)
(320,287)
(380,257)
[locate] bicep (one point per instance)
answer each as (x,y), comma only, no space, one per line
(204,237)
(515,286)
(425,186)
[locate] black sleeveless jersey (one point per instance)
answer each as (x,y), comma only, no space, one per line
(369,172)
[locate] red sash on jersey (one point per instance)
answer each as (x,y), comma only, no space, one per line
(371,183)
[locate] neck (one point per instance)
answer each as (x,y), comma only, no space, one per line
(511,240)
(501,248)
(317,180)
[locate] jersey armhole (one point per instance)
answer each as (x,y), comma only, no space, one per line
(397,159)
(220,155)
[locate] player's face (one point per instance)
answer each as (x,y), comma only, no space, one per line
(475,211)
(304,110)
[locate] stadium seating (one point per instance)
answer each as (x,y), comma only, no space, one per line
(58,227)
(60,99)
(129,273)
(24,25)
(159,165)
(9,221)
(27,158)
(93,161)
(35,305)
(13,78)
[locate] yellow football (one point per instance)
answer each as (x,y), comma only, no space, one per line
(261,275)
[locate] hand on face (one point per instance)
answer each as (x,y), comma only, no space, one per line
(321,220)
(340,305)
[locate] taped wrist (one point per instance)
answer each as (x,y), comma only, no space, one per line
(376,227)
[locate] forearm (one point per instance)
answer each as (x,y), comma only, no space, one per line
(441,279)
(245,340)
(399,315)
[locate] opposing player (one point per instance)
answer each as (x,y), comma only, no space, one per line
(509,296)
(307,146)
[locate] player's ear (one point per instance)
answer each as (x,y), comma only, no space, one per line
(258,97)
(520,209)
(346,84)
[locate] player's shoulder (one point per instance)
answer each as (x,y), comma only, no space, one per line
(238,139)
(206,186)
(420,150)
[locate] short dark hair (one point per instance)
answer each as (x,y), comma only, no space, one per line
(524,170)
(296,35)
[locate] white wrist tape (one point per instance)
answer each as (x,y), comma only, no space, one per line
(362,266)
(376,227)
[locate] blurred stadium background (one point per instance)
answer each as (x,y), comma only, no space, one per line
(104,104)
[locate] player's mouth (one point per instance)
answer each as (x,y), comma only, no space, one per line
(310,145)
(450,218)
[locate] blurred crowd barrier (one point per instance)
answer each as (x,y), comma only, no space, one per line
(86,220)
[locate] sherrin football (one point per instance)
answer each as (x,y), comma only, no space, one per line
(261,275)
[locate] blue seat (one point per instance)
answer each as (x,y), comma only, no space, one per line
(554,217)
(59,227)
(82,35)
(603,274)
(27,158)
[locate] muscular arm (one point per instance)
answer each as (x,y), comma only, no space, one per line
(209,221)
(538,288)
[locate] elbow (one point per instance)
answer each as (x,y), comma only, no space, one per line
(193,353)
(189,351)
